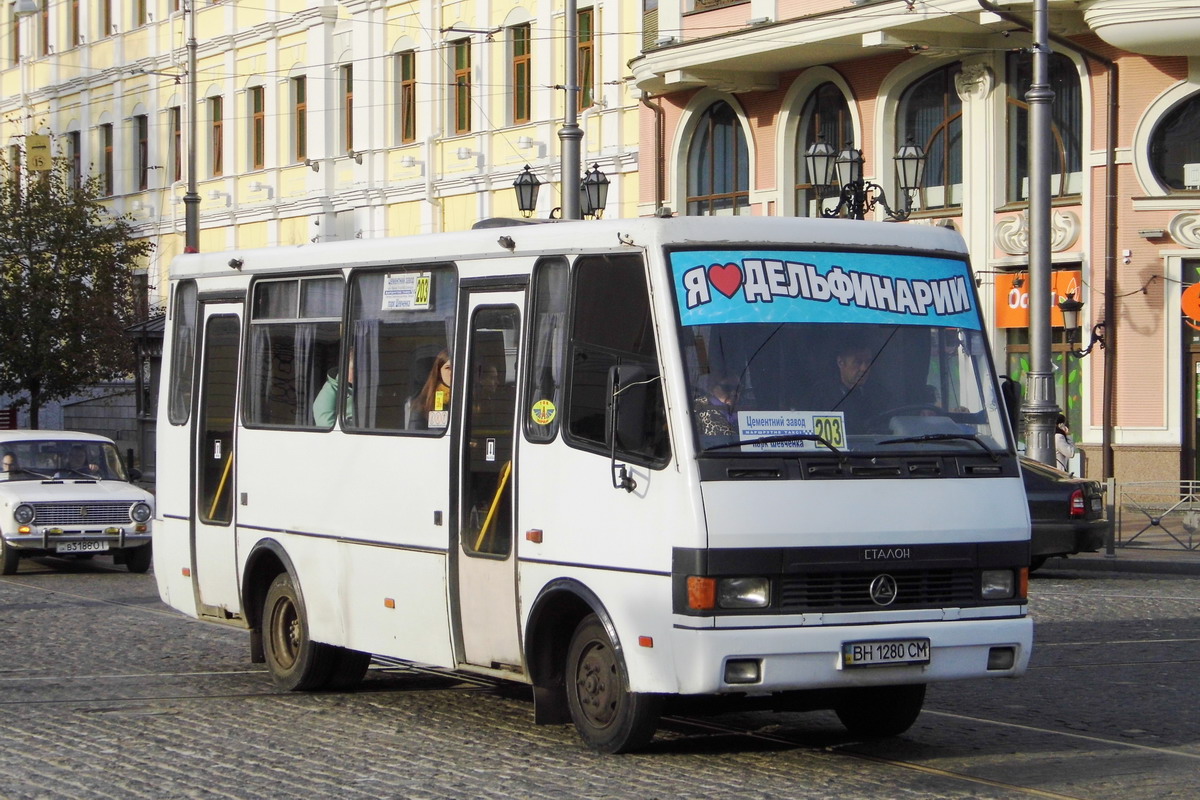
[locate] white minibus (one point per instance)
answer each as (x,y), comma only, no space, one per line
(621,461)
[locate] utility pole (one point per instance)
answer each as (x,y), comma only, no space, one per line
(570,134)
(191,200)
(1040,408)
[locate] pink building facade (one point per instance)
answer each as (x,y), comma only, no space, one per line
(734,95)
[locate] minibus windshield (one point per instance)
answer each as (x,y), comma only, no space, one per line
(826,352)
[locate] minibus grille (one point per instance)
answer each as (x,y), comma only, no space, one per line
(59,514)
(851,591)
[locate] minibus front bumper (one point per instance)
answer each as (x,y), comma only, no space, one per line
(756,660)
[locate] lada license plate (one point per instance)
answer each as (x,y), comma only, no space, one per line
(81,547)
(885,653)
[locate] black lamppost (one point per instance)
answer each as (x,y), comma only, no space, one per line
(1070,308)
(593,192)
(858,197)
(526,186)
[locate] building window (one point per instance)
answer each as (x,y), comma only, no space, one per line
(406,99)
(139,13)
(44,31)
(74,31)
(718,165)
(931,112)
(1175,147)
(258,127)
(14,40)
(348,106)
(1066,126)
(105,18)
(216,136)
(74,160)
(462,85)
(522,78)
(141,128)
(175,121)
(300,117)
(826,116)
(586,57)
(14,163)
(106,149)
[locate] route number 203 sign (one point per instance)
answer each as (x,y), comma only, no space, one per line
(829,425)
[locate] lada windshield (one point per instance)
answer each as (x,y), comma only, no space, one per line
(60,459)
(827,352)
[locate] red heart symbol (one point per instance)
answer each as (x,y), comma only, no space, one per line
(725,279)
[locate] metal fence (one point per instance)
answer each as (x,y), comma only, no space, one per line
(1161,515)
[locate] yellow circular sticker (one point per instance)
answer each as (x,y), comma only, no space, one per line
(543,412)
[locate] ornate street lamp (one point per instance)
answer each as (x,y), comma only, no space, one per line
(857,197)
(593,192)
(1070,308)
(527,186)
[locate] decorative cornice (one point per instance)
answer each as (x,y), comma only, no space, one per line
(974,81)
(1012,233)
(1185,229)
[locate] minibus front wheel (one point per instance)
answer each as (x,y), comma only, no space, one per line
(609,717)
(875,712)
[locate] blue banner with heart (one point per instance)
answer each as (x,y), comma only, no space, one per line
(715,287)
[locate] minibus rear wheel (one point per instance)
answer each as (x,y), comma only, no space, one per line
(296,662)
(874,712)
(609,717)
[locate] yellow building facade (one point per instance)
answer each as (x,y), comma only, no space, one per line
(344,120)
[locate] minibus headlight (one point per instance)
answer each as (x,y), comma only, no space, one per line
(743,592)
(23,514)
(140,512)
(997,584)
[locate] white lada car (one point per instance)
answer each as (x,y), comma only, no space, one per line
(67,493)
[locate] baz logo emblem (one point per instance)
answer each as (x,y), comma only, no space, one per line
(883,590)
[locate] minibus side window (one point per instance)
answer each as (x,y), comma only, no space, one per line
(295,334)
(400,333)
(183,353)
(611,326)
(547,349)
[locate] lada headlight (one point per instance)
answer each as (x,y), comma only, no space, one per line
(140,512)
(23,514)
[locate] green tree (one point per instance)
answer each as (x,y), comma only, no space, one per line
(67,286)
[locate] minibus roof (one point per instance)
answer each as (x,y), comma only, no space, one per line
(578,237)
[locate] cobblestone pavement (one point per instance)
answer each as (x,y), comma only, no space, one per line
(105,693)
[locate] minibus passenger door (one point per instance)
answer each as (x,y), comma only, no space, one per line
(487,630)
(213,463)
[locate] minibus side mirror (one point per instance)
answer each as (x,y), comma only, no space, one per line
(1010,390)
(625,413)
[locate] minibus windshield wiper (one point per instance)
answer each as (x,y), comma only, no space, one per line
(791,437)
(943,437)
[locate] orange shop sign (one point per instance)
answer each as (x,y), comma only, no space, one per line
(1012,302)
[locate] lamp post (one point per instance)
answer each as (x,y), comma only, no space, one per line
(857,197)
(1040,409)
(527,186)
(191,198)
(593,192)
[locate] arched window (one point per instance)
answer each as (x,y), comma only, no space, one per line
(827,115)
(718,165)
(931,112)
(1175,147)
(1066,126)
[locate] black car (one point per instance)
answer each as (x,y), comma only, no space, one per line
(1067,512)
